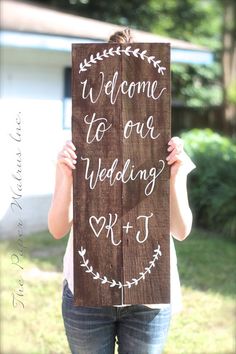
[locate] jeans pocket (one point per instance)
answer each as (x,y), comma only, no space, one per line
(67,293)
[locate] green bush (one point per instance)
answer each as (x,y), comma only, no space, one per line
(212,188)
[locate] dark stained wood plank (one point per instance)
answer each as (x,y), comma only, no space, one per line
(102,200)
(147,153)
(109,259)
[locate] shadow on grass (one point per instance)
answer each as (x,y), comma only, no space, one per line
(40,249)
(206,262)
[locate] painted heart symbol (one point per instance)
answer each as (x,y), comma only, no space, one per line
(97,220)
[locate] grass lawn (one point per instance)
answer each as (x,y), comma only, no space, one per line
(31,321)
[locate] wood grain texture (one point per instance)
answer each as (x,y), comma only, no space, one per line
(132,261)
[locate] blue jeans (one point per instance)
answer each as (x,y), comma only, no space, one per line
(92,330)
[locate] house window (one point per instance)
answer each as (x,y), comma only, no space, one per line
(67,103)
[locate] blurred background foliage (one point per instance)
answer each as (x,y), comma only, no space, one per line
(212,24)
(184,19)
(196,85)
(213,192)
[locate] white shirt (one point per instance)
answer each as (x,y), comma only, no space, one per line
(175,294)
(175,290)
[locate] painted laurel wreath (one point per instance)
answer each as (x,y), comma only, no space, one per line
(127,51)
(113,282)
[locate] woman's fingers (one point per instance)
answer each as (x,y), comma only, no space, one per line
(67,157)
(175,149)
(69,152)
(172,157)
(176,141)
(70,163)
(170,148)
(70,144)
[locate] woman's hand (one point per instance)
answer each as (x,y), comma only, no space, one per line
(67,159)
(177,158)
(180,165)
(60,215)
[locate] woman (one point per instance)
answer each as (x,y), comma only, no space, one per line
(140,329)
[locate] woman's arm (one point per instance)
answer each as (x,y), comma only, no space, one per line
(60,215)
(180,212)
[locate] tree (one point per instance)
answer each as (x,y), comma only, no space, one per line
(134,13)
(210,23)
(229,65)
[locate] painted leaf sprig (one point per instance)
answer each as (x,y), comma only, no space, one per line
(112,283)
(128,51)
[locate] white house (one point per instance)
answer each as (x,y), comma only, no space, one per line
(35,102)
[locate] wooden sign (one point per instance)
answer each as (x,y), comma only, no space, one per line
(121,127)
